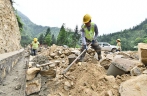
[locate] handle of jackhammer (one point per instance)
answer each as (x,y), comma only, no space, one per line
(75,60)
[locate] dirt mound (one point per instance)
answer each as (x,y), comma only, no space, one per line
(87,80)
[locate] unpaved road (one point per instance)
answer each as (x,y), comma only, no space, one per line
(14,83)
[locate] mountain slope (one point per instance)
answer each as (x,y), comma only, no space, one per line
(33,30)
(129,37)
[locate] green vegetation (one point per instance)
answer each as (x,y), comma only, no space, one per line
(68,37)
(129,37)
(64,36)
(29,30)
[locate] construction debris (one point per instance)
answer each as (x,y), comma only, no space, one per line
(88,78)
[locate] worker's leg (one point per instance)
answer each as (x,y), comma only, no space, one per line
(34,53)
(97,48)
(83,55)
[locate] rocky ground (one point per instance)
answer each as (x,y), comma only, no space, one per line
(89,78)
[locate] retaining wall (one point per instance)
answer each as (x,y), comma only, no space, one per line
(8,61)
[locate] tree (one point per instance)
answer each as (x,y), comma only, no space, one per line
(48,40)
(61,39)
(48,31)
(41,39)
(53,39)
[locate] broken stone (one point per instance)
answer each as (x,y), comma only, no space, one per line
(31,73)
(109,56)
(62,56)
(48,73)
(52,48)
(109,93)
(18,87)
(33,86)
(144,72)
(67,86)
(142,51)
(110,78)
(134,87)
(76,52)
(66,52)
(30,64)
(135,71)
(52,55)
(71,58)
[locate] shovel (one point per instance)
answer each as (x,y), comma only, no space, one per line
(75,60)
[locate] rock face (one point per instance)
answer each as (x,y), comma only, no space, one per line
(134,87)
(9,30)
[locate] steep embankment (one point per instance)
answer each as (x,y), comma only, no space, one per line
(9,30)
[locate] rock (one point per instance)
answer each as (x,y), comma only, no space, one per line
(111,79)
(31,73)
(134,87)
(142,51)
(30,64)
(48,73)
(52,55)
(18,87)
(33,86)
(76,52)
(66,52)
(109,56)
(71,58)
(135,71)
(52,48)
(144,72)
(109,93)
(62,56)
(67,86)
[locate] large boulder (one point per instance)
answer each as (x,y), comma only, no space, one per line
(134,87)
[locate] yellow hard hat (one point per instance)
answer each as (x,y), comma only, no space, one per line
(35,39)
(118,40)
(86,18)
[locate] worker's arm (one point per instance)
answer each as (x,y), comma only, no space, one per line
(83,36)
(96,31)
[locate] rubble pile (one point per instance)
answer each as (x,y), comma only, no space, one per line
(88,78)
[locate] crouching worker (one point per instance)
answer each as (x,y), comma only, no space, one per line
(34,46)
(89,34)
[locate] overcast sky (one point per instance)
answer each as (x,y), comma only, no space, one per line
(109,15)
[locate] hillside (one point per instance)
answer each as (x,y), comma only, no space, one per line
(129,37)
(34,30)
(31,30)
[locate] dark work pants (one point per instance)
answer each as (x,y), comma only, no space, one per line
(34,52)
(95,46)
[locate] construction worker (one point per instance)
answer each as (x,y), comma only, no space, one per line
(118,44)
(34,46)
(89,34)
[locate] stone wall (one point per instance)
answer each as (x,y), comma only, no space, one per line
(9,30)
(8,61)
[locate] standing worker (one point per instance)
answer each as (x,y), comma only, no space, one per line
(34,46)
(118,45)
(89,34)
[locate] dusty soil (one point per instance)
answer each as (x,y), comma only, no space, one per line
(82,79)
(14,83)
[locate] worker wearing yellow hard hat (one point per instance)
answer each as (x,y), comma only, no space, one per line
(89,35)
(118,44)
(34,46)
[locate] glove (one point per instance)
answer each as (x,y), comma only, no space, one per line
(92,41)
(85,47)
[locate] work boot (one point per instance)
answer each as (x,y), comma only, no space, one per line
(99,57)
